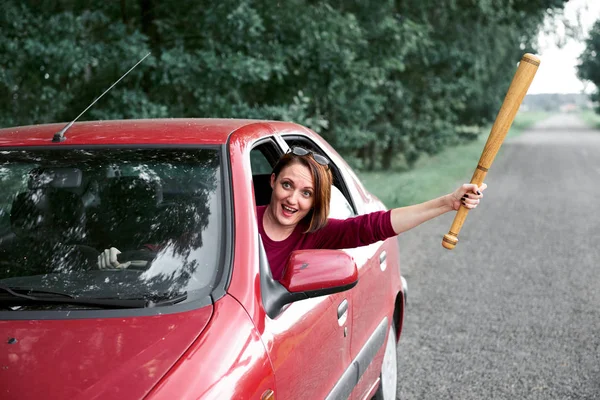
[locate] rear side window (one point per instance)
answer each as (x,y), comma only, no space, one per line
(162,209)
(339,207)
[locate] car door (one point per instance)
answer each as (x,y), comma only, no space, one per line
(369,299)
(308,341)
(373,305)
(368,321)
(310,347)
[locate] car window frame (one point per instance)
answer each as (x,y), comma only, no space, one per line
(261,150)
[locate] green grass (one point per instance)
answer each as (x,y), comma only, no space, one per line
(591,118)
(437,175)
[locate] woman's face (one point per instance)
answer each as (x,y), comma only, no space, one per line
(293,194)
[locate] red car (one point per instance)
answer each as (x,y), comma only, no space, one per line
(192,312)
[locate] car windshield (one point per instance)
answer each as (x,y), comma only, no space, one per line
(160,208)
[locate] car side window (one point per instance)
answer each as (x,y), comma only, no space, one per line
(259,163)
(341,204)
(263,157)
(339,207)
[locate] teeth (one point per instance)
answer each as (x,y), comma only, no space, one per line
(288,209)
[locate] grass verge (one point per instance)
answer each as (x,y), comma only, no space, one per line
(591,118)
(436,175)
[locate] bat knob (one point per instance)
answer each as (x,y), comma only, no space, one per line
(449,241)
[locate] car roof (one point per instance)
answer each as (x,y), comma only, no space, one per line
(142,131)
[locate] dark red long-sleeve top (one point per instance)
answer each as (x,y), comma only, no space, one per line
(337,234)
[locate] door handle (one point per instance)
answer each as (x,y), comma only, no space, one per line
(382,260)
(342,312)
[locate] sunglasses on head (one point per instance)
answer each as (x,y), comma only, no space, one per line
(300,151)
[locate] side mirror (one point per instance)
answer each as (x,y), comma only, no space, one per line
(319,272)
(308,273)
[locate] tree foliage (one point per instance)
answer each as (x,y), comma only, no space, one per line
(589,66)
(378,79)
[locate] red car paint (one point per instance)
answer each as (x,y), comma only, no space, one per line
(230,349)
(94,358)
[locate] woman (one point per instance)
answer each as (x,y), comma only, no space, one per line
(296,217)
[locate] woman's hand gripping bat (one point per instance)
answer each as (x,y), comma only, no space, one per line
(516,92)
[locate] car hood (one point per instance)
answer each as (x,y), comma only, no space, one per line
(106,358)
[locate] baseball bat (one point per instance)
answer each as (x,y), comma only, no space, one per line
(514,97)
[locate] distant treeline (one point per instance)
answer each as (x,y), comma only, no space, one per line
(377,78)
(557,102)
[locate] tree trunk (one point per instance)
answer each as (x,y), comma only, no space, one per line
(387,156)
(148,10)
(372,157)
(124,11)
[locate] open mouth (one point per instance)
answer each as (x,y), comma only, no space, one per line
(288,211)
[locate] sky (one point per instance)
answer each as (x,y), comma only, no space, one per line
(557,71)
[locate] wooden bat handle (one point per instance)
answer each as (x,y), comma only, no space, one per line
(514,97)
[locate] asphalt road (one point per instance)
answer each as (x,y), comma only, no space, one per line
(513,312)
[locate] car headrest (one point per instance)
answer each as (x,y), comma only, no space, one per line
(48,214)
(56,177)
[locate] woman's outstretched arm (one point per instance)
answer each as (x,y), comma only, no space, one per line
(405,218)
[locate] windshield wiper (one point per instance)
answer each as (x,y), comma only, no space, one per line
(26,293)
(166,300)
(18,297)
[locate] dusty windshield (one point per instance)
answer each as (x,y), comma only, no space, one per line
(110,223)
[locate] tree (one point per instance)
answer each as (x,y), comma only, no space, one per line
(382,81)
(589,66)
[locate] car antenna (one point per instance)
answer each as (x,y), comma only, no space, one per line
(60,136)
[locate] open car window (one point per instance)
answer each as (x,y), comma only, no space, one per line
(161,208)
(341,204)
(340,207)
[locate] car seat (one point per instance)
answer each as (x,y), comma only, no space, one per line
(262,189)
(49,214)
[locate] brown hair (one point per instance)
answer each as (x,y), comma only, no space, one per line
(322,179)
